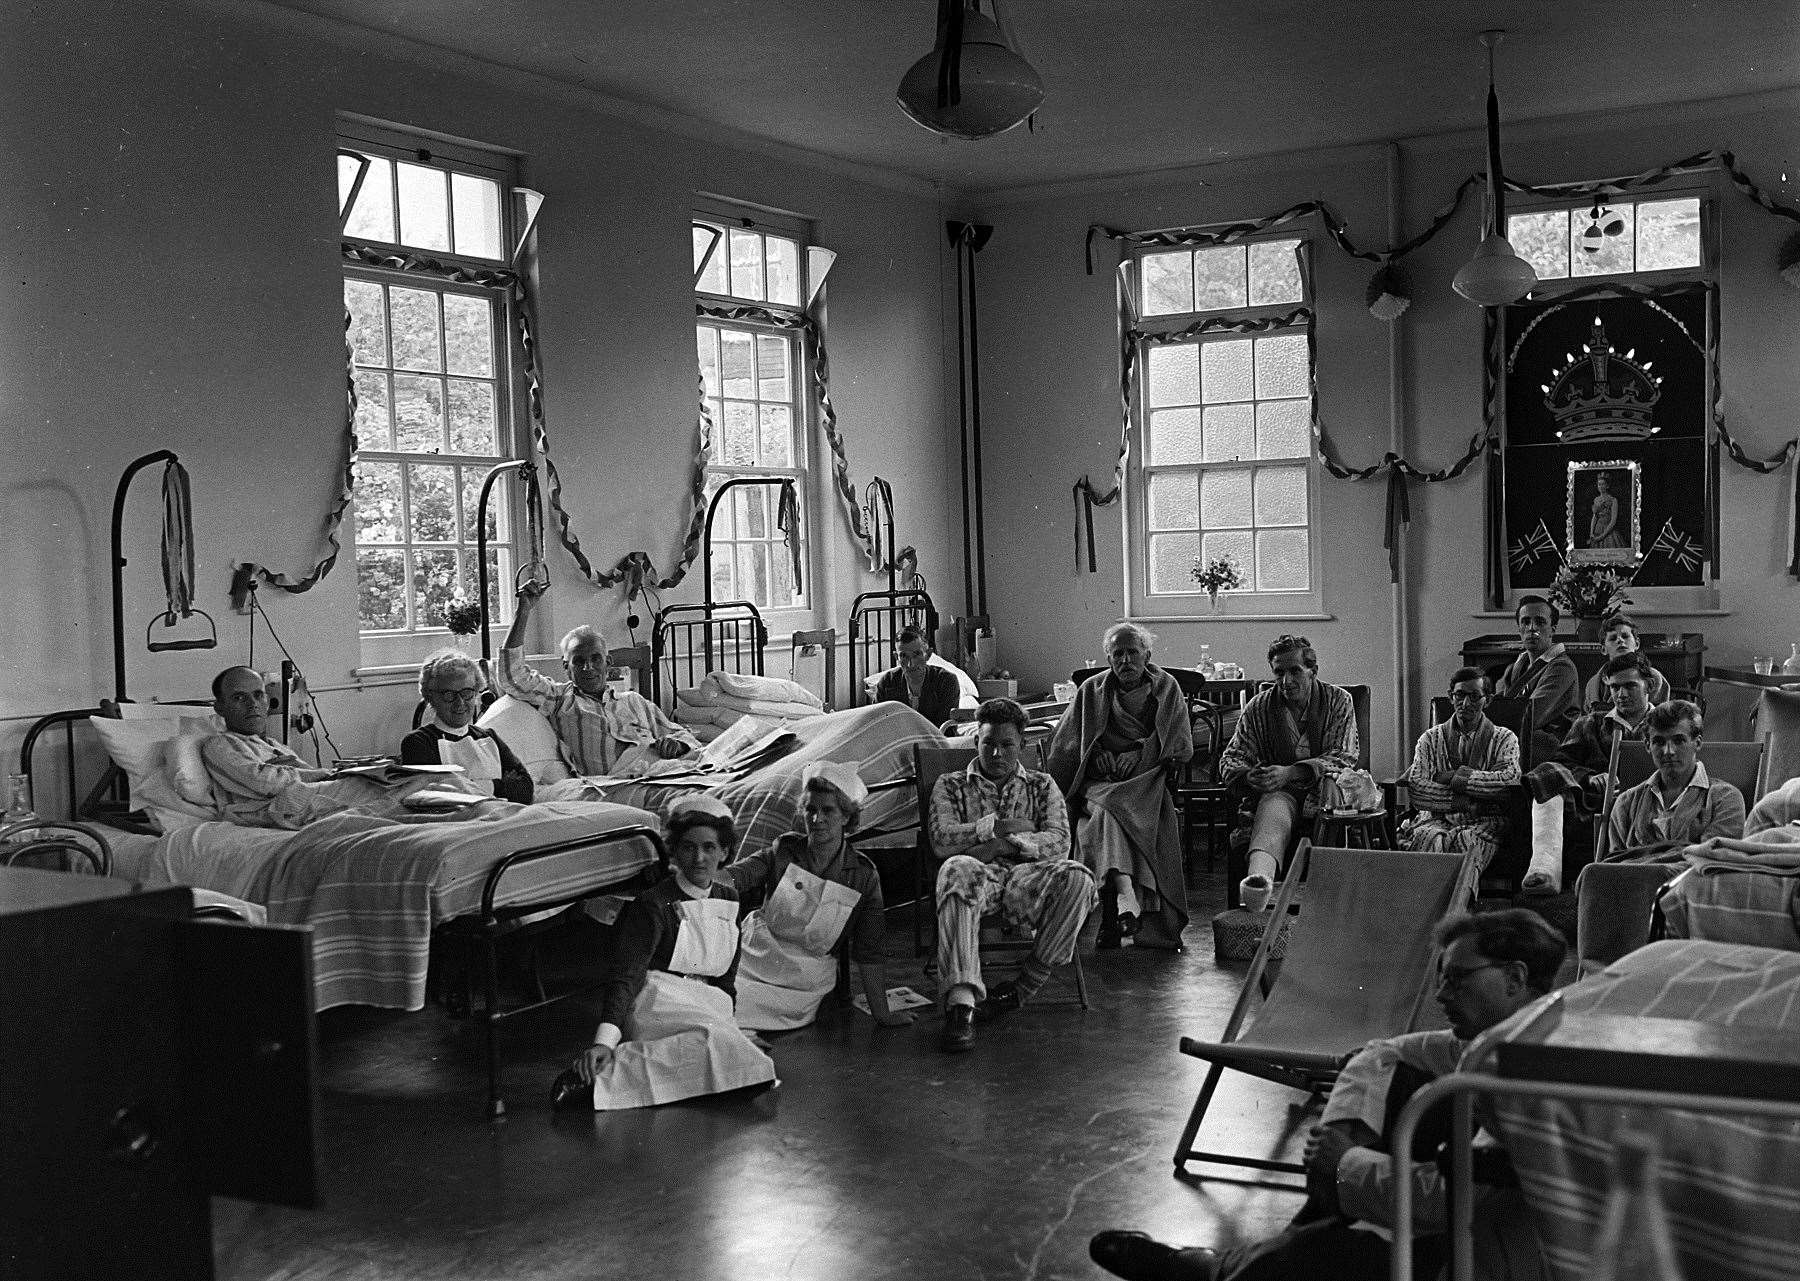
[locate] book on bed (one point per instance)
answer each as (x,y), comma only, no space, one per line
(391,771)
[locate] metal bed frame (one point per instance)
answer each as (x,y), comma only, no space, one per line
(108,803)
(876,619)
(692,640)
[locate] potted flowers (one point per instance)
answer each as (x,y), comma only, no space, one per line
(462,616)
(1220,574)
(1589,593)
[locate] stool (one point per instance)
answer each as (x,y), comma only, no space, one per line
(1340,829)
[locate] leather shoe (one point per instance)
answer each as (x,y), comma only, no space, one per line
(569,1093)
(1001,999)
(1136,1257)
(959,1029)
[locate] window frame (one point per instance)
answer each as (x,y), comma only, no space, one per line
(1233,323)
(802,402)
(384,647)
(1569,197)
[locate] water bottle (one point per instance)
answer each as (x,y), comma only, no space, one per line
(1634,1242)
(1791,667)
(1204,666)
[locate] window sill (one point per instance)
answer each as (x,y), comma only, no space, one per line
(1222,616)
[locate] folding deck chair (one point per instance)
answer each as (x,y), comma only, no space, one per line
(1360,965)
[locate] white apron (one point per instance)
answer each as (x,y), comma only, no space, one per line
(478,757)
(683,1040)
(786,967)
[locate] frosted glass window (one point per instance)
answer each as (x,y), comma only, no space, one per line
(1653,235)
(1275,272)
(1174,502)
(1219,278)
(1237,544)
(1284,429)
(1172,376)
(1281,366)
(1668,234)
(1280,496)
(1283,561)
(1175,437)
(1224,499)
(1225,371)
(1172,562)
(1542,239)
(1168,283)
(1230,433)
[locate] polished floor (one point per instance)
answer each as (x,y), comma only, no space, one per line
(877,1157)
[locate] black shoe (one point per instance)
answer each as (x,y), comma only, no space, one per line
(1001,1000)
(1128,924)
(959,1029)
(569,1093)
(1136,1257)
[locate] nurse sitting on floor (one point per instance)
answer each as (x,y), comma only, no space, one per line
(820,892)
(666,1028)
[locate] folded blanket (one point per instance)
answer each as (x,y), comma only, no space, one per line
(1775,851)
(765,689)
(691,715)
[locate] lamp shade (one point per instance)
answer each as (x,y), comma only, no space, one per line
(993,90)
(1496,275)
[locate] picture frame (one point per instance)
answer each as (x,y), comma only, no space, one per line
(1603,502)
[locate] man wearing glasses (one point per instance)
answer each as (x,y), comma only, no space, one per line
(1493,965)
(452,685)
(1459,775)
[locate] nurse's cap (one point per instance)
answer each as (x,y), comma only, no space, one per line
(700,803)
(843,778)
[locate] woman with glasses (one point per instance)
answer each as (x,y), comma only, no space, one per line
(1459,775)
(451,682)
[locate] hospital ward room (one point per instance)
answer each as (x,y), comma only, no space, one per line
(967,640)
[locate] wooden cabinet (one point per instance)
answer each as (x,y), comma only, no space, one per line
(1683,663)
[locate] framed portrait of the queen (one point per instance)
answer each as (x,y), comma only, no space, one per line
(1603,511)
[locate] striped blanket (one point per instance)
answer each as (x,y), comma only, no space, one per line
(372,889)
(1731,1184)
(766,802)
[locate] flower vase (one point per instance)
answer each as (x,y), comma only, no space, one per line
(1587,629)
(1212,601)
(465,641)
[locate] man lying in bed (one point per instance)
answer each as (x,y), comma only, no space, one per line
(261,783)
(601,730)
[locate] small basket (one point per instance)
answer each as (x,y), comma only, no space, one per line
(1237,932)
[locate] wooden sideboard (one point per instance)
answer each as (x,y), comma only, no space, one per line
(1684,664)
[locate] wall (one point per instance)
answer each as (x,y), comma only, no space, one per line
(172,282)
(1050,368)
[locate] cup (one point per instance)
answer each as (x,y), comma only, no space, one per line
(1064,691)
(1763,666)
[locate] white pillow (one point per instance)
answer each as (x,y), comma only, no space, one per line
(137,746)
(187,770)
(764,689)
(529,736)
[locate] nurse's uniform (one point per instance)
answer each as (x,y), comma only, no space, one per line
(667,1002)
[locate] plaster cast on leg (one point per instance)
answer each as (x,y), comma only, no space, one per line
(1544,876)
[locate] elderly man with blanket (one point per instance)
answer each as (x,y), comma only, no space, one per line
(1107,756)
(1288,738)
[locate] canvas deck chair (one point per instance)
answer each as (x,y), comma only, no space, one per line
(1360,964)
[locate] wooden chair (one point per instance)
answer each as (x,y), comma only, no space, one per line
(1360,965)
(931,762)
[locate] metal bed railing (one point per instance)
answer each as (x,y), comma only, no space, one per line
(691,640)
(876,620)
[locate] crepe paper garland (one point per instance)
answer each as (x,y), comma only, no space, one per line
(1388,295)
(177,541)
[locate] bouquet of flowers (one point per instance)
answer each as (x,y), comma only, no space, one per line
(1590,591)
(1220,574)
(462,616)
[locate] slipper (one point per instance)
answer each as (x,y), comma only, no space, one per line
(1254,892)
(1539,885)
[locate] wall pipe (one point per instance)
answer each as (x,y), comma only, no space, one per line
(118,565)
(1400,591)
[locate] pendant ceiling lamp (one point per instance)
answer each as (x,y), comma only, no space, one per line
(972,84)
(1496,275)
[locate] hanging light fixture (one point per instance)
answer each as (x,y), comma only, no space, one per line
(971,84)
(1496,275)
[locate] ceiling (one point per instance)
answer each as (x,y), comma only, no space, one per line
(1130,86)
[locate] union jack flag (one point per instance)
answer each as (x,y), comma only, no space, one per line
(1683,549)
(1533,547)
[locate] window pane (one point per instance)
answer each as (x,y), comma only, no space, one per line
(1224,499)
(1174,436)
(373,217)
(374,428)
(736,359)
(380,590)
(753,572)
(1168,283)
(1668,234)
(1219,277)
(1281,495)
(777,436)
(477,209)
(713,281)
(435,584)
(469,335)
(746,265)
(472,424)
(1282,564)
(500,581)
(1236,545)
(471,505)
(1172,562)
(1281,366)
(377,502)
(724,580)
(433,494)
(738,448)
(706,339)
(1284,429)
(1225,371)
(418,414)
(1542,239)
(717,411)
(1230,433)
(784,271)
(772,367)
(751,502)
(1609,254)
(1275,272)
(781,573)
(724,527)
(424,206)
(1174,502)
(1172,375)
(415,329)
(367,335)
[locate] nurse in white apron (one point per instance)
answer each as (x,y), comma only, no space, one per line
(666,1028)
(821,894)
(452,684)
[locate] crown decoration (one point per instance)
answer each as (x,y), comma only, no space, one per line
(1602,395)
